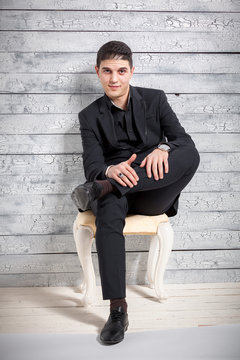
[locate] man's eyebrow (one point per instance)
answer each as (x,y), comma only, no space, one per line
(107,68)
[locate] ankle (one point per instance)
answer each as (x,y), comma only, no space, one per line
(118,302)
(106,187)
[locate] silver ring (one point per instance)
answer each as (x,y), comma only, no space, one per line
(120,175)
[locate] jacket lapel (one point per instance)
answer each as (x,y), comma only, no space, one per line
(106,123)
(139,113)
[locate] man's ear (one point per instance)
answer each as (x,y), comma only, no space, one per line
(97,70)
(132,70)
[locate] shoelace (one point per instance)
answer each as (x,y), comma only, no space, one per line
(116,315)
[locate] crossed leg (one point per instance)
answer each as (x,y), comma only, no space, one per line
(149,197)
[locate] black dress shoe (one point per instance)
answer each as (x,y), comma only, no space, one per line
(83,194)
(117,324)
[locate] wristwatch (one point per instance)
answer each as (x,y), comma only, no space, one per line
(164,147)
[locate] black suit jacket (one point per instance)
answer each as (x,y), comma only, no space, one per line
(155,121)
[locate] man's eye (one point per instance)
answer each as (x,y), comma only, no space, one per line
(122,71)
(106,71)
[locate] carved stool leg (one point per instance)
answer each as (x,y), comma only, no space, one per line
(165,238)
(83,237)
(152,259)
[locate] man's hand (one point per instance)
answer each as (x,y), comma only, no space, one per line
(130,177)
(154,163)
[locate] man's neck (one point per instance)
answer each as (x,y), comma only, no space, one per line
(122,101)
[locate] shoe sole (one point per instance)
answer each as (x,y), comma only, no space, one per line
(114,342)
(81,199)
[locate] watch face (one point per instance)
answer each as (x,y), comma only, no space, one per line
(164,147)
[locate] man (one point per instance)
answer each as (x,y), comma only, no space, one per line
(137,158)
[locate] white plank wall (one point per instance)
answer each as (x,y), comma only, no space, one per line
(191,50)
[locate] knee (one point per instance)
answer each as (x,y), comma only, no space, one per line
(187,157)
(195,157)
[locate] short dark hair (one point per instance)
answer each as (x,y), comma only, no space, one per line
(114,50)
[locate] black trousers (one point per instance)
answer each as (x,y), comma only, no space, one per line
(148,197)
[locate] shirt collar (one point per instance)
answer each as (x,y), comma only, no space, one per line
(110,102)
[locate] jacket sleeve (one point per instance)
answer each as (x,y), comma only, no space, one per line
(93,160)
(172,129)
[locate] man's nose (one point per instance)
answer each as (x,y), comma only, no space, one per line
(114,77)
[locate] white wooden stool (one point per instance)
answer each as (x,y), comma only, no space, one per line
(158,227)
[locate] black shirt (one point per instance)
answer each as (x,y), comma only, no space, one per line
(124,124)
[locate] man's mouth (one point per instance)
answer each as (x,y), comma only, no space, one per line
(114,86)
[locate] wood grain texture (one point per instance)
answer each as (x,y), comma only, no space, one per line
(62,224)
(74,279)
(46,183)
(148,63)
(89,83)
(154,41)
(57,270)
(73,103)
(64,243)
(23,124)
(136,262)
(119,5)
(72,164)
(55,204)
(68,144)
(52,310)
(115,21)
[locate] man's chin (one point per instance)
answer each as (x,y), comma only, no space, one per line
(114,94)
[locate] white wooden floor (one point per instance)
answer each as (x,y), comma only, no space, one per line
(59,310)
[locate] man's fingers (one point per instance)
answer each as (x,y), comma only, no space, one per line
(154,165)
(131,175)
(160,169)
(123,180)
(131,159)
(119,180)
(166,166)
(132,172)
(148,167)
(155,169)
(143,163)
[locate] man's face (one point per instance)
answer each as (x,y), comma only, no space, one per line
(115,75)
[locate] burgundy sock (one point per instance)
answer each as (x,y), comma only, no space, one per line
(118,302)
(106,186)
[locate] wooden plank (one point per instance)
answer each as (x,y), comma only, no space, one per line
(33,41)
(55,204)
(33,307)
(117,21)
(70,324)
(72,164)
(64,183)
(74,279)
(183,240)
(123,5)
(62,224)
(192,291)
(14,315)
(89,83)
(23,124)
(73,103)
(232,310)
(135,262)
(68,144)
(19,62)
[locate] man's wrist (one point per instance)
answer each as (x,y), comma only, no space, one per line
(106,172)
(164,147)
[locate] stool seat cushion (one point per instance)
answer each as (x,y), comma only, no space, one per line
(135,224)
